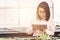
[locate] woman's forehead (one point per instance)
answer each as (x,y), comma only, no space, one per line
(41,9)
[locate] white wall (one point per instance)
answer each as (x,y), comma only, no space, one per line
(9,13)
(57,11)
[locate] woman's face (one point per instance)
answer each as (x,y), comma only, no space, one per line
(42,13)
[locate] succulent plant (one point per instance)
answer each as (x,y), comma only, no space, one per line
(43,36)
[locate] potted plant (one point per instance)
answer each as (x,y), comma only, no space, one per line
(43,36)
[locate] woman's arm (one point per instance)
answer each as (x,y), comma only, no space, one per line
(50,32)
(51,29)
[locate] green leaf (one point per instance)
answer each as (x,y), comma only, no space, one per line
(43,36)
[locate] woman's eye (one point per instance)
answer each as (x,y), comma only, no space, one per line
(42,11)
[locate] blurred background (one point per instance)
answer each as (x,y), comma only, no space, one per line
(18,14)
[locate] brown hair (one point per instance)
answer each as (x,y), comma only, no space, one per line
(45,6)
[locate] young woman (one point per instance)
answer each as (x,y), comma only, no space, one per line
(43,18)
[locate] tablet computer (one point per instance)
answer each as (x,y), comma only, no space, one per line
(39,27)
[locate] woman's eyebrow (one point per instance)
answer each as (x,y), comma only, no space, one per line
(42,11)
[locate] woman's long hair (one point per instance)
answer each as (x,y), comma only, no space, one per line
(45,6)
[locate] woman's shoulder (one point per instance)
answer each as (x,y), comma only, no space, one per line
(51,20)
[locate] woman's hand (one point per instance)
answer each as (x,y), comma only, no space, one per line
(42,28)
(37,33)
(29,31)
